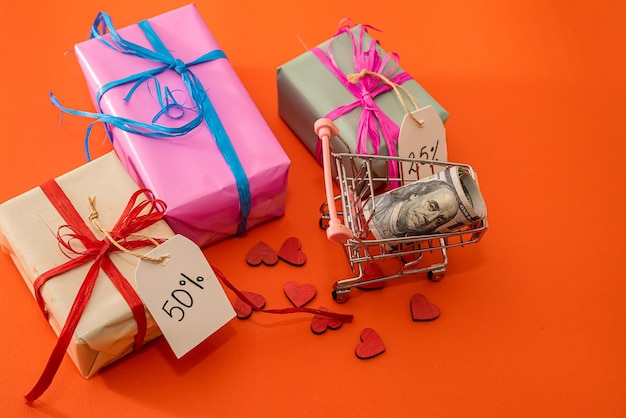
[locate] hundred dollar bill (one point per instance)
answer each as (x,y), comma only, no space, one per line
(442,202)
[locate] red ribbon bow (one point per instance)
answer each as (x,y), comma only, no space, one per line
(142,210)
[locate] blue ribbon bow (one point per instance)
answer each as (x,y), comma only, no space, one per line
(206,110)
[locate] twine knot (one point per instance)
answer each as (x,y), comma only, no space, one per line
(93,218)
(356,77)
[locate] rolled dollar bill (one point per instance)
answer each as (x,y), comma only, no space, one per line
(443,202)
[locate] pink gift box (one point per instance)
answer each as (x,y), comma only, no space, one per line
(189,172)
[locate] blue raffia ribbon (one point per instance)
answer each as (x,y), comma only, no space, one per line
(206,110)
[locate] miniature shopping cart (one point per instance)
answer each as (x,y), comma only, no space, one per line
(346,219)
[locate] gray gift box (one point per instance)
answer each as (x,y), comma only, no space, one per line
(308,90)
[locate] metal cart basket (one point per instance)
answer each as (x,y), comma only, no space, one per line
(346,221)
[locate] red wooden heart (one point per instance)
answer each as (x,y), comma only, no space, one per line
(300,294)
(422,310)
(371,271)
(370,346)
(261,253)
(320,323)
(243,309)
(290,252)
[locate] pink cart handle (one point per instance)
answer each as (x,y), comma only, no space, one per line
(336,231)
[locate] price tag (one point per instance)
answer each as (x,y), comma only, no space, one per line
(427,142)
(183,295)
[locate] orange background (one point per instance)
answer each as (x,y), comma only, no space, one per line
(533,318)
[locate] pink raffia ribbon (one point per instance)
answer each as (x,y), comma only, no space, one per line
(373,122)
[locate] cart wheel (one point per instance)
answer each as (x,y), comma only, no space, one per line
(436,275)
(341,296)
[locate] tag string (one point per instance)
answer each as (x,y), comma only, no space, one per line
(354,79)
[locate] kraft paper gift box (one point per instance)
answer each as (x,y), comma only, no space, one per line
(28,227)
(308,90)
(189,172)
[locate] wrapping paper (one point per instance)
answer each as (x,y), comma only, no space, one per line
(189,172)
(28,227)
(307,91)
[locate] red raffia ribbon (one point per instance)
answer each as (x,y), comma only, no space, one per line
(342,317)
(132,220)
(137,215)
